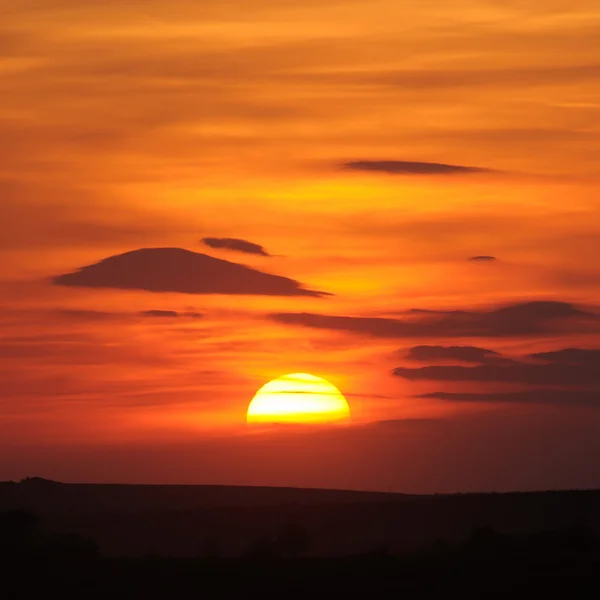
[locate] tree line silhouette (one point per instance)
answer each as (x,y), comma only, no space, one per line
(484,562)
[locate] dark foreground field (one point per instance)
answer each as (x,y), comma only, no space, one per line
(193,521)
(219,542)
(563,563)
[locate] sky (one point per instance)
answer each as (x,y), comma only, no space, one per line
(402,198)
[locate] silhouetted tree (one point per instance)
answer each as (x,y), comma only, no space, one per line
(293,541)
(21,537)
(70,546)
(576,539)
(485,542)
(18,532)
(209,548)
(262,548)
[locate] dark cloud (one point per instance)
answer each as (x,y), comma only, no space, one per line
(402,167)
(571,356)
(428,311)
(170,314)
(483,258)
(183,271)
(514,372)
(544,396)
(236,245)
(469,354)
(527,318)
(99,315)
(161,313)
(401,423)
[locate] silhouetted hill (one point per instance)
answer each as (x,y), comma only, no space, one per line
(47,496)
(139,520)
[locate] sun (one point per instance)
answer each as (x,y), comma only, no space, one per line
(298,398)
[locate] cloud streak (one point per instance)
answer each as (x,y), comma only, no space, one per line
(543,396)
(403,167)
(483,258)
(588,357)
(468,354)
(568,367)
(533,374)
(170,314)
(515,320)
(236,245)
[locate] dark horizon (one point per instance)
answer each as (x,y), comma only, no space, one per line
(36,480)
(308,243)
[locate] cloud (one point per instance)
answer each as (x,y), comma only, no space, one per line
(85,315)
(236,245)
(170,314)
(483,258)
(183,271)
(571,356)
(469,354)
(401,167)
(514,372)
(523,319)
(401,423)
(544,396)
(570,366)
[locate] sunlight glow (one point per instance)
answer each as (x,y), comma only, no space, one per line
(298,398)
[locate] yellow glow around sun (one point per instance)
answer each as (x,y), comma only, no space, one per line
(298,398)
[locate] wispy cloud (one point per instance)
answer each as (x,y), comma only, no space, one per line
(523,319)
(236,245)
(573,367)
(483,258)
(469,354)
(170,314)
(402,167)
(537,396)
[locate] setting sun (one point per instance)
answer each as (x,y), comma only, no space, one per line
(298,398)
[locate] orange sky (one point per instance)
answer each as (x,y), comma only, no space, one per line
(317,130)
